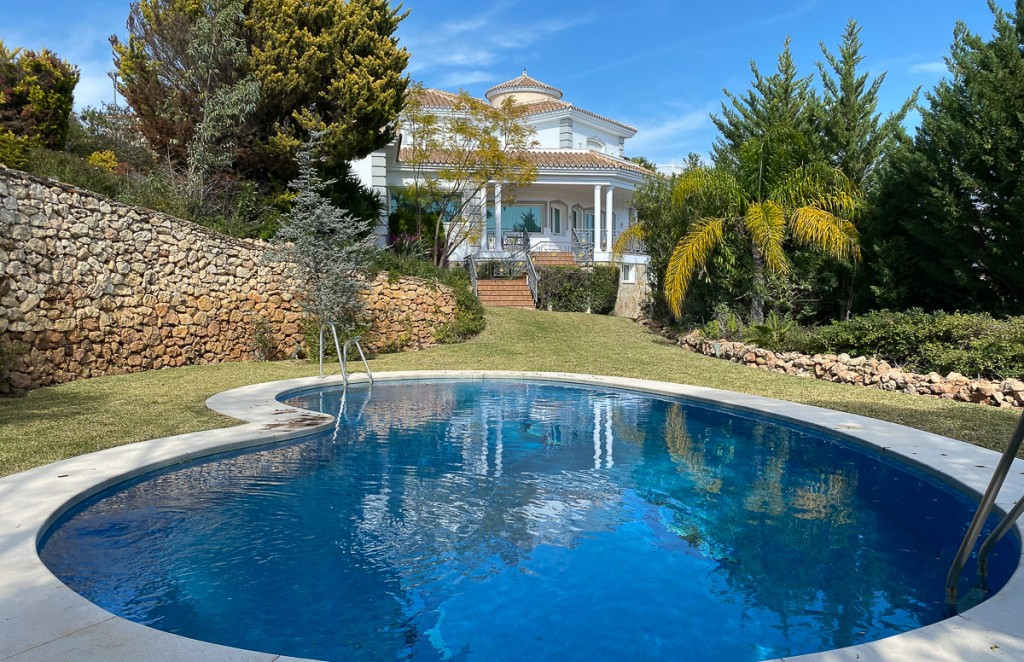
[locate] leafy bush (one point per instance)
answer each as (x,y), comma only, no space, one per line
(971,344)
(114,129)
(573,289)
(104,159)
(14,149)
(772,334)
(36,94)
(153,190)
(469,313)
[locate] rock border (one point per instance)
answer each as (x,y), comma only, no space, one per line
(852,370)
(42,619)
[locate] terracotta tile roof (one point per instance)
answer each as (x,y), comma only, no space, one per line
(541,107)
(567,159)
(523,82)
(431,98)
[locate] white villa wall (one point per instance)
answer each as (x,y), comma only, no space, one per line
(583,130)
(547,133)
(363,170)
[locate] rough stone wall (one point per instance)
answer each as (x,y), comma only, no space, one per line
(856,371)
(632,296)
(94,287)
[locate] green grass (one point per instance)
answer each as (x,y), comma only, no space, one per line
(80,417)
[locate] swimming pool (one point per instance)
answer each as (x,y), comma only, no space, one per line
(513,519)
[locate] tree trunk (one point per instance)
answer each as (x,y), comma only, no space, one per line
(757,289)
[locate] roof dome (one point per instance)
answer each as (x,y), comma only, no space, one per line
(524,88)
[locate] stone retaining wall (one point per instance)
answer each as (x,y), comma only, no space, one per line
(94,287)
(857,371)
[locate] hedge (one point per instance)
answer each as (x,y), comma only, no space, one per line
(574,289)
(971,344)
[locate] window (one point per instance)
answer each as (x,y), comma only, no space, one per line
(556,220)
(517,218)
(628,273)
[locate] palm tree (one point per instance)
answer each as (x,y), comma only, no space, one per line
(772,195)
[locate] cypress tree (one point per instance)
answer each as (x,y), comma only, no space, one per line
(946,232)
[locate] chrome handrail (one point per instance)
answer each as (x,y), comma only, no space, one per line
(981,516)
(471,268)
(531,271)
(342,352)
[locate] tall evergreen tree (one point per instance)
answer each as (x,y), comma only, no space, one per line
(855,138)
(854,135)
(328,250)
(782,100)
(335,61)
(946,232)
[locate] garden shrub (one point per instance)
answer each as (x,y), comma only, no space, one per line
(574,289)
(36,95)
(971,344)
(104,159)
(14,149)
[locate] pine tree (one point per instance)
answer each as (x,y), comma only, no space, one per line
(946,232)
(782,101)
(327,249)
(856,139)
(854,136)
(216,52)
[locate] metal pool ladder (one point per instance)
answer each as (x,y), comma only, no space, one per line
(981,592)
(342,351)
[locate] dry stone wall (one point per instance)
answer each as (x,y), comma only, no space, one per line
(855,371)
(94,287)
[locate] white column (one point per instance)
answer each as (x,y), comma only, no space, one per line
(483,217)
(497,216)
(608,210)
(597,219)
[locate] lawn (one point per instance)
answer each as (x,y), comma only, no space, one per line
(58,422)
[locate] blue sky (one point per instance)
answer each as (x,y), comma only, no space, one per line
(656,64)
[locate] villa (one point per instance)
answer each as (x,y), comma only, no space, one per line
(573,212)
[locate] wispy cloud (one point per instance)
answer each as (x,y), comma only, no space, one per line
(470,45)
(457,78)
(670,137)
(691,43)
(934,67)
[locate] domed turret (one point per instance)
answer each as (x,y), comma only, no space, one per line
(525,89)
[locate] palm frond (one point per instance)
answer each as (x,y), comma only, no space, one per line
(707,188)
(632,233)
(820,229)
(766,223)
(691,253)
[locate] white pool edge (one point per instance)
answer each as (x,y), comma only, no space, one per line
(42,619)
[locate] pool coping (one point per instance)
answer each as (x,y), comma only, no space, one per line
(43,619)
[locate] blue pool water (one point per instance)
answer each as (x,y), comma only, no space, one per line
(510,520)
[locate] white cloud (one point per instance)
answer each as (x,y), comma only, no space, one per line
(475,43)
(934,67)
(457,79)
(668,138)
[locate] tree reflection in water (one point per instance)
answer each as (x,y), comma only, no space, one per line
(515,519)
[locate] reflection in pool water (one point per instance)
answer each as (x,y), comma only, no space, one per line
(502,519)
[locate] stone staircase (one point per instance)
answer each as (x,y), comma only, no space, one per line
(505,293)
(553,259)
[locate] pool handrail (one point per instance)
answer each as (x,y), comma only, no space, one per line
(342,353)
(981,516)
